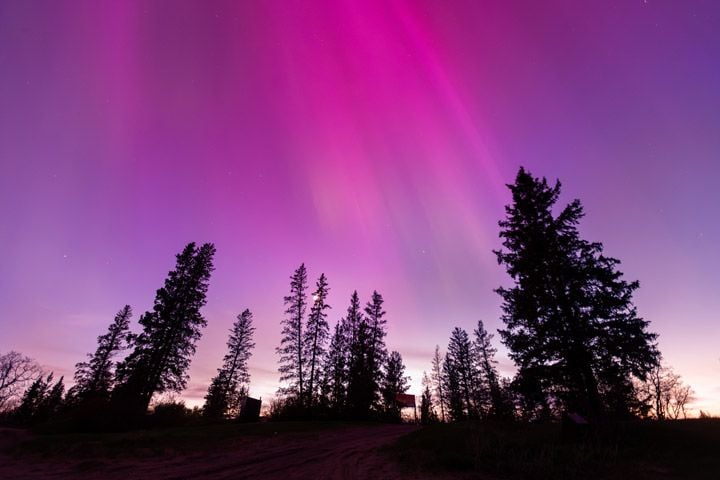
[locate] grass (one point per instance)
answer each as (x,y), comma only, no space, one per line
(636,450)
(153,442)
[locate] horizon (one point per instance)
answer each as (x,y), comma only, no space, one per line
(372,144)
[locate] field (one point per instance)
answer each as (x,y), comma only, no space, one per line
(294,450)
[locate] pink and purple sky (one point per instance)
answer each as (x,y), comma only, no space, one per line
(370,140)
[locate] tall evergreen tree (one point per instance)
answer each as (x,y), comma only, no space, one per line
(162,352)
(436,376)
(96,377)
(460,353)
(230,384)
(453,391)
(394,382)
(571,325)
(336,370)
(291,351)
(316,336)
(484,354)
(377,354)
(360,380)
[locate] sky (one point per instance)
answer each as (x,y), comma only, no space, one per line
(371,140)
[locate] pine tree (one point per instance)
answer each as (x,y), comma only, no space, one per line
(32,399)
(394,382)
(41,400)
(335,370)
(484,354)
(291,349)
(52,402)
(96,377)
(230,385)
(437,383)
(377,355)
(451,385)
(315,338)
(460,353)
(162,352)
(571,326)
(360,379)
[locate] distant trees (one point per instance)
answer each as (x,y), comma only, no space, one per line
(16,373)
(230,385)
(41,400)
(427,410)
(436,380)
(162,351)
(291,349)
(95,378)
(570,323)
(665,394)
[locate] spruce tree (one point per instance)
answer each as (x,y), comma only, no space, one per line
(336,370)
(360,381)
(316,335)
(451,385)
(291,351)
(96,377)
(162,352)
(394,382)
(484,354)
(377,354)
(460,353)
(570,323)
(230,385)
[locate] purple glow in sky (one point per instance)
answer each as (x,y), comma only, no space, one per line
(370,140)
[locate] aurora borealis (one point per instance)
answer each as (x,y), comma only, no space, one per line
(370,140)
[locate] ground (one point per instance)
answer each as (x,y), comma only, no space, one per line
(345,452)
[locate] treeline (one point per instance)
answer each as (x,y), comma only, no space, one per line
(344,374)
(570,326)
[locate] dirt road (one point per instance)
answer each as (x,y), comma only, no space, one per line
(350,453)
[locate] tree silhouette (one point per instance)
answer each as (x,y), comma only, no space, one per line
(291,349)
(436,376)
(427,412)
(571,326)
(453,391)
(162,352)
(336,370)
(96,377)
(316,335)
(361,386)
(41,400)
(484,354)
(394,382)
(230,385)
(377,354)
(16,371)
(461,361)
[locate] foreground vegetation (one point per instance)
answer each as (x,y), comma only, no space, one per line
(638,450)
